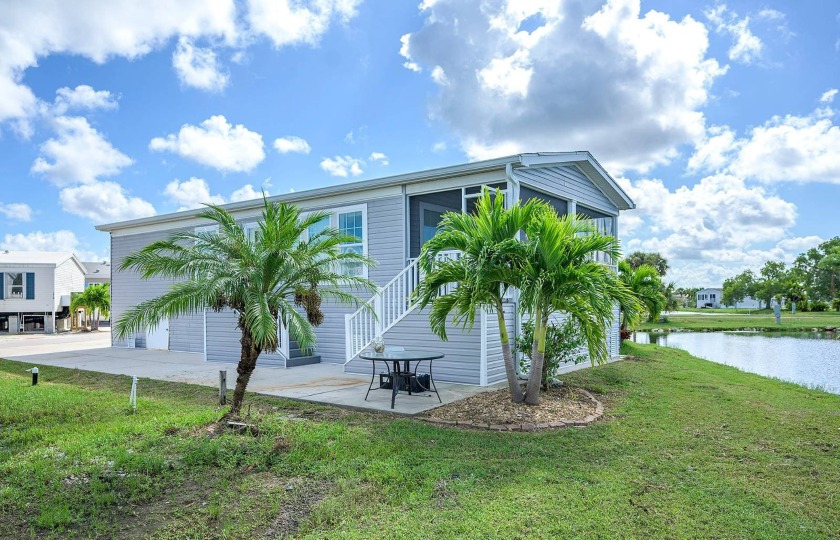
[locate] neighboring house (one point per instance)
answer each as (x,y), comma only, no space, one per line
(36,289)
(392,217)
(709,298)
(97,273)
(748,303)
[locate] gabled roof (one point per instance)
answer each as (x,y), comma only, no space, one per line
(34,257)
(582,159)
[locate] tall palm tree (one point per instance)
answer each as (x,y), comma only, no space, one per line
(261,279)
(490,255)
(560,275)
(646,284)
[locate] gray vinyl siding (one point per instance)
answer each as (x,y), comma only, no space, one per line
(567,182)
(561,206)
(495,360)
(386,233)
(128,290)
(447,199)
(462,363)
(223,340)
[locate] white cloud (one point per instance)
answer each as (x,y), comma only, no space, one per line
(79,154)
(98,31)
(379,157)
(192,193)
(197,67)
(104,202)
(83,97)
(715,151)
(246,193)
(292,144)
(508,76)
(343,166)
(405,52)
(747,47)
(439,76)
(62,240)
(101,31)
(629,87)
(828,96)
(215,143)
(290,22)
(439,146)
(16,211)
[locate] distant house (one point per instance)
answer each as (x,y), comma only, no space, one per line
(35,289)
(748,303)
(97,273)
(709,298)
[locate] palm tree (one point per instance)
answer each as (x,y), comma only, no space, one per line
(262,279)
(560,275)
(490,255)
(646,284)
(95,300)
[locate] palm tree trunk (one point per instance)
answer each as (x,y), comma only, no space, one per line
(532,390)
(247,363)
(513,381)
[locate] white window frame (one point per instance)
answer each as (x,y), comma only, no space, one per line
(334,213)
(7,286)
(466,196)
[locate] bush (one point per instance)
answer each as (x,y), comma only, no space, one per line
(835,304)
(819,305)
(563,344)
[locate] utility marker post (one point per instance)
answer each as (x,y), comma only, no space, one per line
(222,386)
(132,397)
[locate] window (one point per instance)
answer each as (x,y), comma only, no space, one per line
(318,226)
(14,285)
(352,224)
(251,230)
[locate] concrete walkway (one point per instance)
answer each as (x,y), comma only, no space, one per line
(321,383)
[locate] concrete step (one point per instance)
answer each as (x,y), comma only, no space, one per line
(302,361)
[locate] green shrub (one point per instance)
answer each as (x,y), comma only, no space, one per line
(563,344)
(835,304)
(819,305)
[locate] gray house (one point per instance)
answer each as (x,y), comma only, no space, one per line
(392,217)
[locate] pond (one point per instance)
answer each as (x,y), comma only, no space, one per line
(811,359)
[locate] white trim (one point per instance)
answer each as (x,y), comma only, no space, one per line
(250,226)
(482,370)
(204,332)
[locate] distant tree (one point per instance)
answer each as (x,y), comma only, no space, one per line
(736,288)
(95,301)
(638,258)
(646,285)
(830,264)
(672,297)
(771,282)
(817,276)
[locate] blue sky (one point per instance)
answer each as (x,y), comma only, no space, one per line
(718,118)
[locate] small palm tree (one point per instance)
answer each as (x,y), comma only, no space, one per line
(95,300)
(646,284)
(262,279)
(560,275)
(490,256)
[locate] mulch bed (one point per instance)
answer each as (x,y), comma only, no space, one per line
(559,407)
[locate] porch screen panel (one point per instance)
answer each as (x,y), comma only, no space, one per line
(30,286)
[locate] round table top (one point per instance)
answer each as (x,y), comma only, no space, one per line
(401,356)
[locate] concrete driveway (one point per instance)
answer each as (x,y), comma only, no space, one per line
(321,383)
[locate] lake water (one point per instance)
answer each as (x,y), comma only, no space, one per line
(811,359)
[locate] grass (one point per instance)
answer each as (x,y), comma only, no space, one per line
(688,448)
(720,319)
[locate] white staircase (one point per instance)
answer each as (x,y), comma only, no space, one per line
(387,307)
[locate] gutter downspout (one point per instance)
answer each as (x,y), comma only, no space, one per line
(517,323)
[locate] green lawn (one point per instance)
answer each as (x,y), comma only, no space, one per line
(687,449)
(720,319)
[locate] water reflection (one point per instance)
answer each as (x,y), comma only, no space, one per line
(809,358)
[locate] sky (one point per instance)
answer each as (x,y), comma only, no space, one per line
(719,119)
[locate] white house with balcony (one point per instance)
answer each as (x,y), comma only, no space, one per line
(35,290)
(391,218)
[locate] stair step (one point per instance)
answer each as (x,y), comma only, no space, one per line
(302,361)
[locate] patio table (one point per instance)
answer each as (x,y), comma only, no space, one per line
(400,369)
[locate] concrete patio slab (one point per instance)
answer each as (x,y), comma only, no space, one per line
(320,383)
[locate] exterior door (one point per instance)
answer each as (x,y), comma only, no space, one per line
(158,337)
